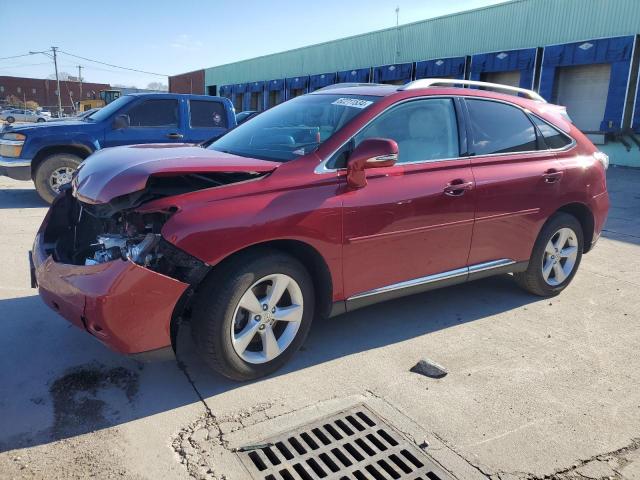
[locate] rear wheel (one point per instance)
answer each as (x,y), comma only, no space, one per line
(40,120)
(10,119)
(53,172)
(556,256)
(253,314)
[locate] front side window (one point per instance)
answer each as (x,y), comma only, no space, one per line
(500,128)
(425,130)
(294,128)
(207,114)
(154,113)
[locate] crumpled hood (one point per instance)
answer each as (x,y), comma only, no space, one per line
(118,171)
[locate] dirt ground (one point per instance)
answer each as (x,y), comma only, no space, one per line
(535,388)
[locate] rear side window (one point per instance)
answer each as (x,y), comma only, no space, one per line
(553,138)
(207,114)
(500,128)
(154,113)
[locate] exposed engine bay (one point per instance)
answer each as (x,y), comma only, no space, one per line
(84,234)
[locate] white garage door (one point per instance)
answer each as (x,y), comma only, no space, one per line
(583,90)
(511,78)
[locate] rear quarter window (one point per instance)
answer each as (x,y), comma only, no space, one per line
(500,128)
(553,138)
(207,114)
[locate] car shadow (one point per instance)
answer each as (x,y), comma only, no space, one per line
(58,382)
(14,198)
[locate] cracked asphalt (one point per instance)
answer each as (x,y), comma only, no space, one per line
(535,388)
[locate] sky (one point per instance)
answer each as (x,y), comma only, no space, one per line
(169,37)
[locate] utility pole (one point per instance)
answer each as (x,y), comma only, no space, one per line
(80,79)
(55,64)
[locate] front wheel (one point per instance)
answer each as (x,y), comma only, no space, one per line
(41,120)
(53,172)
(555,258)
(252,314)
(10,119)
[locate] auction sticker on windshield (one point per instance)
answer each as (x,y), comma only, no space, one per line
(352,102)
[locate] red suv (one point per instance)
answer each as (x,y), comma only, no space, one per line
(329,202)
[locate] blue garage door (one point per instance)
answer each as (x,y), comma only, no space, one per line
(238,93)
(591,79)
(359,75)
(254,99)
(297,86)
(274,92)
(321,80)
(511,67)
(225,91)
(397,74)
(441,68)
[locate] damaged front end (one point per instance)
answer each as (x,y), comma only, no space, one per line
(111,273)
(99,258)
(79,233)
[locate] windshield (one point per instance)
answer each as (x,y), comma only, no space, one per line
(106,112)
(294,128)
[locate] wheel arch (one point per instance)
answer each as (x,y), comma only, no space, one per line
(305,253)
(76,149)
(584,215)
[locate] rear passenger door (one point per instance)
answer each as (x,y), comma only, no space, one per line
(518,181)
(151,120)
(207,119)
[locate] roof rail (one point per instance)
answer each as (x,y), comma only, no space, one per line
(431,82)
(347,85)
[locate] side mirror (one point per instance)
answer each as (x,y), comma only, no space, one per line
(371,153)
(120,122)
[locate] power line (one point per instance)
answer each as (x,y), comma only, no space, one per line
(19,65)
(115,66)
(18,56)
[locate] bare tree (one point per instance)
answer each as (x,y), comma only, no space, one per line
(62,75)
(158,86)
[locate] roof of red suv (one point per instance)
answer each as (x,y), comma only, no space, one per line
(555,113)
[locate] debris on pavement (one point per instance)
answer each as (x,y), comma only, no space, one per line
(429,368)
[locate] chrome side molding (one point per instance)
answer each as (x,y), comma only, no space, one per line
(456,274)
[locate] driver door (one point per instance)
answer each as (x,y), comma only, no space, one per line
(414,219)
(150,121)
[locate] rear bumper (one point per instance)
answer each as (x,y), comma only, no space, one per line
(124,305)
(16,168)
(600,209)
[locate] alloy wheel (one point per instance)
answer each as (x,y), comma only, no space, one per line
(59,177)
(267,318)
(560,256)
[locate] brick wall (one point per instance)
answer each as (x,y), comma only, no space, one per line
(44,91)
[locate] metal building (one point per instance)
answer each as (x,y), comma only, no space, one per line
(580,53)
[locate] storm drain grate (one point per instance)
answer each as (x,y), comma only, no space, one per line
(354,444)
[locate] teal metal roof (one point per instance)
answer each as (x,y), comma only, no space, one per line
(506,26)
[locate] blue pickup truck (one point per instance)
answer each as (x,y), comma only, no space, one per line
(49,153)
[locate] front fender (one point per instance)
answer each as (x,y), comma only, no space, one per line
(212,231)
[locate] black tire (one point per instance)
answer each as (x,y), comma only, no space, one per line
(10,119)
(532,279)
(41,120)
(216,302)
(47,168)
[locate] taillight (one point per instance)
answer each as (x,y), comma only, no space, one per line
(603,158)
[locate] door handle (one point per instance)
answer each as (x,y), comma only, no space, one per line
(456,188)
(174,135)
(552,176)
